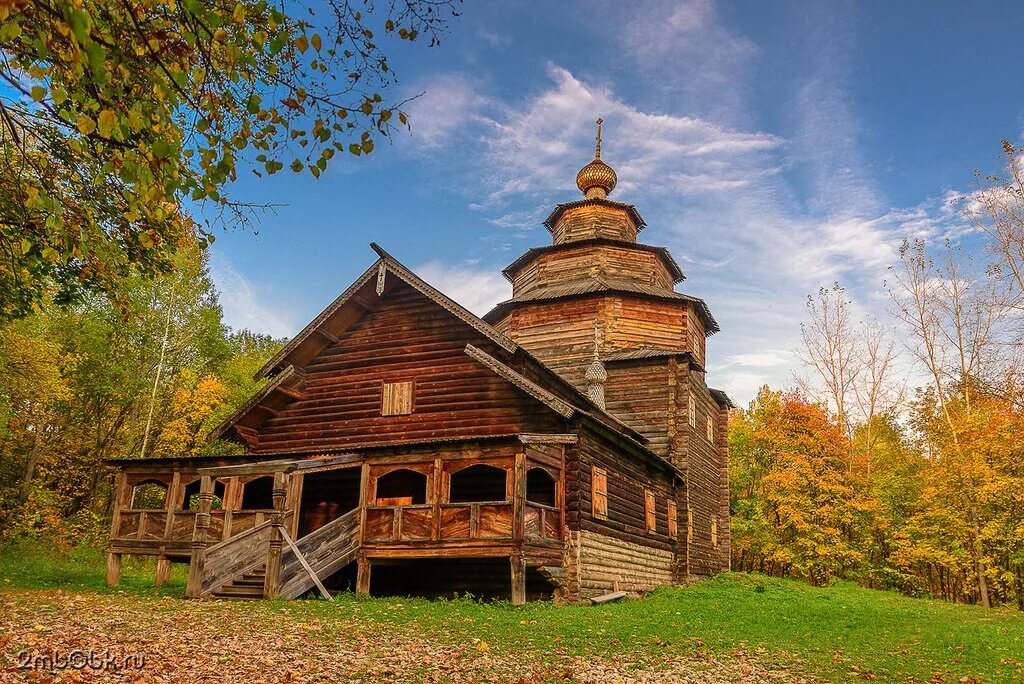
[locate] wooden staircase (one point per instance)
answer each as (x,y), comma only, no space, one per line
(237,567)
(248,586)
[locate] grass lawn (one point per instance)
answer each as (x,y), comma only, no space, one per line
(748,625)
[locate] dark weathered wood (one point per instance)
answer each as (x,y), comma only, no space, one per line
(272,581)
(608,598)
(197,564)
(518,566)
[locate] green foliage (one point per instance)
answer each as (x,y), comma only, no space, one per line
(115,114)
(96,380)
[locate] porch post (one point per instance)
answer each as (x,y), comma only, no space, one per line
(362,575)
(114,559)
(163,571)
(518,563)
(272,581)
(196,567)
(113,568)
(519,497)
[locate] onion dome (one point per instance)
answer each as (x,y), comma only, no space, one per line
(596,372)
(596,179)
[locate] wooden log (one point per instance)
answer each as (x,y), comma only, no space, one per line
(518,566)
(163,571)
(363,575)
(113,569)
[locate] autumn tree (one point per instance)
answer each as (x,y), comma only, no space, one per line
(123,123)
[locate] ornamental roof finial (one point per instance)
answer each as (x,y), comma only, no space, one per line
(596,179)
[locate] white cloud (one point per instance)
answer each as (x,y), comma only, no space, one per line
(443,108)
(476,289)
(242,304)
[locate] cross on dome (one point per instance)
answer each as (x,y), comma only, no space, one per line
(596,179)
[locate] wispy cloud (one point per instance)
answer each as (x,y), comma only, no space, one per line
(478,289)
(244,307)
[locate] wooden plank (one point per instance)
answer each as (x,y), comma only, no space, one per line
(607,598)
(302,559)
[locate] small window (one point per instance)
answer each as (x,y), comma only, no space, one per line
(714,531)
(540,487)
(480,482)
(693,412)
(402,487)
(599,492)
(689,526)
(673,524)
(150,495)
(396,399)
(649,512)
(711,430)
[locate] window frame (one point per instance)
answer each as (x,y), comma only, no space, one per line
(599,492)
(397,398)
(650,512)
(673,523)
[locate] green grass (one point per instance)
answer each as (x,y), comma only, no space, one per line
(839,633)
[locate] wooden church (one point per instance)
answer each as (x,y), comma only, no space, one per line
(566,445)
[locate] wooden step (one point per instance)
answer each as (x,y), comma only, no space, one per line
(235,591)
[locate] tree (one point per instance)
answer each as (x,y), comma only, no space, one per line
(117,113)
(829,347)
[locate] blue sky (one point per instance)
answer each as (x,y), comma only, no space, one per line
(774,147)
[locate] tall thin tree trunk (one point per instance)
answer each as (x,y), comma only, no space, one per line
(159,370)
(30,468)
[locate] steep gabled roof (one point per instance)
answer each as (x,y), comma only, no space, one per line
(560,209)
(290,382)
(355,300)
(528,256)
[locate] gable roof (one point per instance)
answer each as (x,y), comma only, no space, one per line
(352,298)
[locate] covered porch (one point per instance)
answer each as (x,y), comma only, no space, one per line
(280,527)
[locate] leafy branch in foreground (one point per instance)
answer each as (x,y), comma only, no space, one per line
(115,113)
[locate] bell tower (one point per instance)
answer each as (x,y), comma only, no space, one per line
(595,275)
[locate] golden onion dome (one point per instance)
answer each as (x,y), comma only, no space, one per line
(596,179)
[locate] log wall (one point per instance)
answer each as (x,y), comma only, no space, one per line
(597,564)
(613,262)
(580,223)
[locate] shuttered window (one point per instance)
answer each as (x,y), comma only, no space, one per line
(673,524)
(396,399)
(649,514)
(714,530)
(599,492)
(693,412)
(689,526)
(711,430)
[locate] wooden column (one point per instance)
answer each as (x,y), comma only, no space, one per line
(113,568)
(163,571)
(272,582)
(197,563)
(120,500)
(362,575)
(518,563)
(172,503)
(519,497)
(364,497)
(435,520)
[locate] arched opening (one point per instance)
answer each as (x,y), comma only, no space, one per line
(327,495)
(258,493)
(190,502)
(479,482)
(150,495)
(401,487)
(540,487)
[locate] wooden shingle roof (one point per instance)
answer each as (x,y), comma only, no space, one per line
(560,209)
(529,255)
